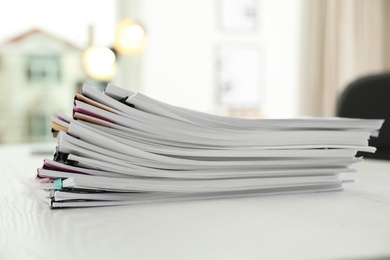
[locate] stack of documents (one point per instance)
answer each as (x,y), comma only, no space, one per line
(123,148)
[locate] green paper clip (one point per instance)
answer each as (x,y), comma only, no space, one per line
(58,184)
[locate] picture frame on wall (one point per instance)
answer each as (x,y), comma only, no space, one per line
(238,15)
(239,76)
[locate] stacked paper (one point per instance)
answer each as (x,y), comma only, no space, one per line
(124,148)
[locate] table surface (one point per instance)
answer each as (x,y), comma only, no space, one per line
(351,224)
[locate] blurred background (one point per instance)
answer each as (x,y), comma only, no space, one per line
(244,58)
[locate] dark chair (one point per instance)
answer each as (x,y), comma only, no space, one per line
(369,97)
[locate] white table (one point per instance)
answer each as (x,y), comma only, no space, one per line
(352,224)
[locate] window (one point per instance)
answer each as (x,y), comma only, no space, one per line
(43,69)
(39,126)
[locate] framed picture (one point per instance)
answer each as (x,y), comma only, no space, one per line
(238,15)
(239,76)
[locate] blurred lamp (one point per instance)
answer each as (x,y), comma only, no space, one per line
(99,63)
(129,38)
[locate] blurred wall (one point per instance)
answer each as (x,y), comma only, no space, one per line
(179,64)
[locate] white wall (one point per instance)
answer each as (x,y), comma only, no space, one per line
(281,23)
(179,63)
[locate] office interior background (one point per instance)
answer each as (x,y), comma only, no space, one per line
(244,58)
